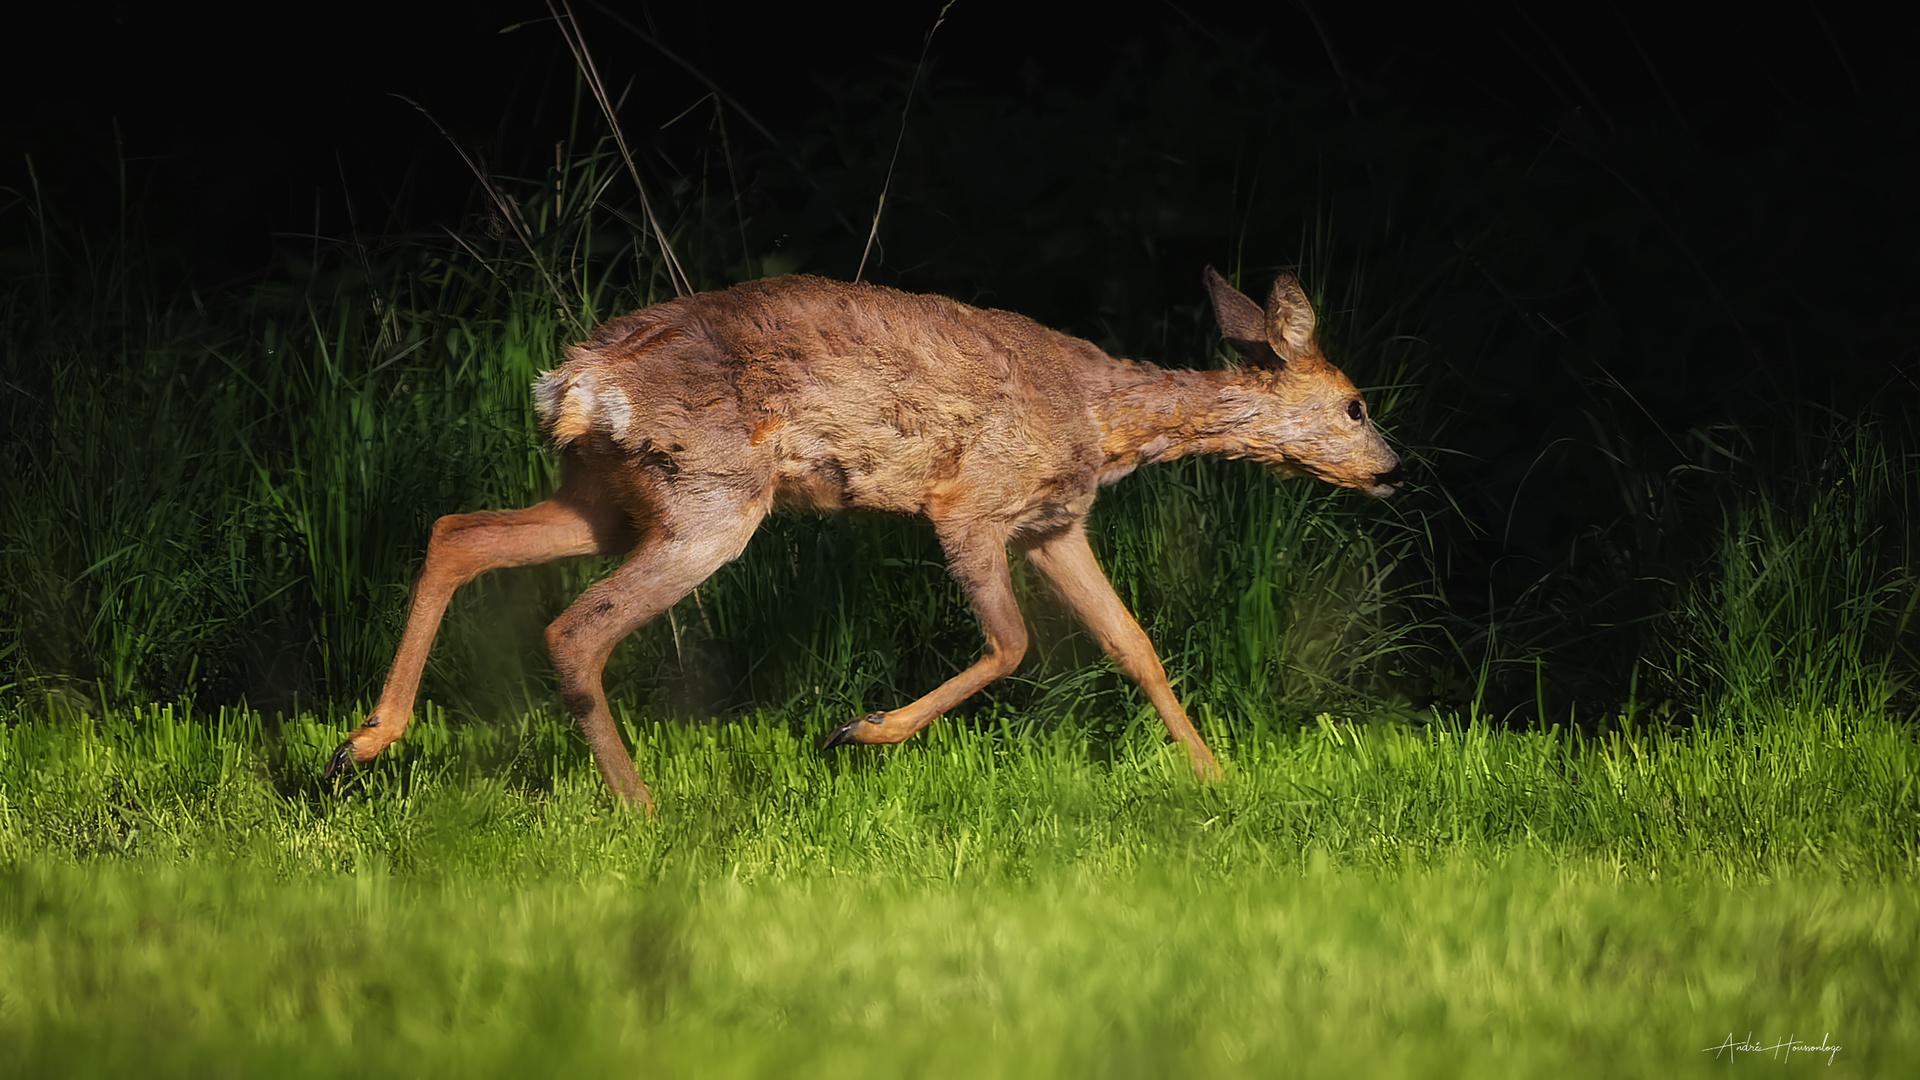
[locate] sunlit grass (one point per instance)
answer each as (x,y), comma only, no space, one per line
(1737,802)
(181,894)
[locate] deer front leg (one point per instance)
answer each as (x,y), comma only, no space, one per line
(978,559)
(574,522)
(1066,561)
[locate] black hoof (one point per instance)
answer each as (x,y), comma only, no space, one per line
(843,735)
(342,758)
(341,761)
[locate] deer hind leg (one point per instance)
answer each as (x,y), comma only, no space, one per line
(675,554)
(1067,562)
(978,559)
(578,520)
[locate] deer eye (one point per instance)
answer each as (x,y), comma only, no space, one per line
(1355,411)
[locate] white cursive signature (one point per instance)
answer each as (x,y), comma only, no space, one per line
(1787,1046)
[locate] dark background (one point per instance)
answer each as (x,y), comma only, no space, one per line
(238,121)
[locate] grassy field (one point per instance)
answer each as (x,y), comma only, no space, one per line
(1590,754)
(180,896)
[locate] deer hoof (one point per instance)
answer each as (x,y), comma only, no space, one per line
(342,760)
(347,754)
(844,734)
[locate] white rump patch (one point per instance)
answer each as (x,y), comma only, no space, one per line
(572,402)
(547,391)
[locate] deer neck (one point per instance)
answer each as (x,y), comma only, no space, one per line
(1148,413)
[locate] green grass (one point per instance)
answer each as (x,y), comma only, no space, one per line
(1510,970)
(180,895)
(1709,826)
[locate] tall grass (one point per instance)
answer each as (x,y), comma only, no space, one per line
(1810,588)
(220,496)
(223,498)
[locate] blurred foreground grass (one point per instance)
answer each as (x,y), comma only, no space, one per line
(179,896)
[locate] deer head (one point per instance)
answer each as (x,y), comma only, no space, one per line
(1311,419)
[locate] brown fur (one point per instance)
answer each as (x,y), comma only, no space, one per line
(680,426)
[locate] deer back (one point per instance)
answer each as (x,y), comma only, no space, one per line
(839,395)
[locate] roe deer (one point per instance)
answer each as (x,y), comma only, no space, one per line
(681,425)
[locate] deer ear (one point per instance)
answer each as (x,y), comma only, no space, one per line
(1242,324)
(1289,320)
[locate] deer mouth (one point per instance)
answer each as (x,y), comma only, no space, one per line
(1386,483)
(1374,485)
